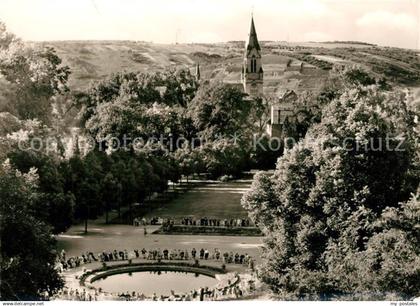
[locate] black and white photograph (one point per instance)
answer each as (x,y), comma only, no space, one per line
(210,150)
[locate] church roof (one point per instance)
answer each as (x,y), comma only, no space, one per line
(283,95)
(253,39)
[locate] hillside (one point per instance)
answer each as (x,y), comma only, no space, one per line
(94,60)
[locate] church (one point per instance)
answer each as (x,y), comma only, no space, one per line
(252,74)
(252,83)
(252,79)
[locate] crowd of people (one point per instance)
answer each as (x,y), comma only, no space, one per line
(82,295)
(65,262)
(201,294)
(225,291)
(239,222)
(190,221)
(232,288)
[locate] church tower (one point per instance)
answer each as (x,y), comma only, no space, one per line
(252,72)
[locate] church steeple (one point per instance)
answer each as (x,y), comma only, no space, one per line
(252,72)
(253,39)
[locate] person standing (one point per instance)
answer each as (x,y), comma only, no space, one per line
(143,252)
(165,254)
(201,294)
(217,252)
(193,253)
(201,253)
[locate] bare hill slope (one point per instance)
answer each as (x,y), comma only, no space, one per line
(95,60)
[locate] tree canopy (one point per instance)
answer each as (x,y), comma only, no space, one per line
(324,209)
(32,77)
(28,248)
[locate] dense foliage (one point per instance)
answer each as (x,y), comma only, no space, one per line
(203,129)
(31,78)
(28,248)
(335,212)
(33,203)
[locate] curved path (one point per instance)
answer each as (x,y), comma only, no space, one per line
(83,277)
(120,237)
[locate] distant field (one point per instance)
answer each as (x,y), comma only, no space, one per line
(95,60)
(216,200)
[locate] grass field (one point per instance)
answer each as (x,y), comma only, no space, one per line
(218,200)
(213,200)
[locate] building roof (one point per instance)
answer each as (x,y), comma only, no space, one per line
(253,39)
(287,94)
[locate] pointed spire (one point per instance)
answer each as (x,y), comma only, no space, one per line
(197,72)
(253,39)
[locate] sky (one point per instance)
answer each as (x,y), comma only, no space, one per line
(384,22)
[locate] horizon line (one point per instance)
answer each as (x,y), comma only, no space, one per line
(344,42)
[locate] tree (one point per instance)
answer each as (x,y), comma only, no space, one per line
(125,120)
(54,206)
(180,87)
(138,92)
(259,114)
(8,125)
(33,77)
(261,202)
(321,207)
(28,247)
(84,180)
(265,152)
(110,187)
(393,252)
(6,38)
(224,156)
(189,161)
(219,109)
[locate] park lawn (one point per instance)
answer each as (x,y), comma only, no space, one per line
(215,200)
(218,200)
